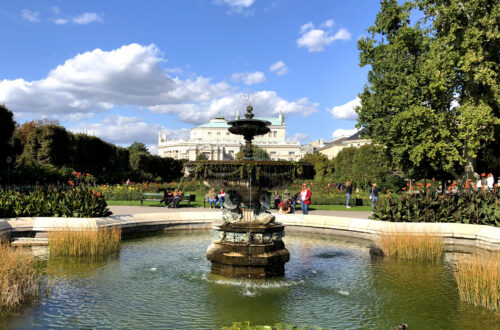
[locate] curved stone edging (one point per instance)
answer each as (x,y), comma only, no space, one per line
(454,233)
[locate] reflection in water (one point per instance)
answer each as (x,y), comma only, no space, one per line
(164,281)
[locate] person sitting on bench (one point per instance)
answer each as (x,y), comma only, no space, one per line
(177,197)
(167,197)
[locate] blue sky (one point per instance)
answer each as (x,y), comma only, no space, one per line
(127,69)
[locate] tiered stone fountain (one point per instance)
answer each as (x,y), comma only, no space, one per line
(248,242)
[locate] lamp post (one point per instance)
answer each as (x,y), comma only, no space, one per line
(9,161)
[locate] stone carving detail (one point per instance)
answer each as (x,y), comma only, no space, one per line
(262,215)
(232,211)
(247,237)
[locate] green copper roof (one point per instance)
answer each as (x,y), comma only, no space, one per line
(272,120)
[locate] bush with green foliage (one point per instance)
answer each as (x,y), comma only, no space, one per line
(79,202)
(472,207)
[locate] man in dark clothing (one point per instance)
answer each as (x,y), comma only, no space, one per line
(348,193)
(374,194)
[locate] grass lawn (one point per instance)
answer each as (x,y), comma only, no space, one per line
(200,204)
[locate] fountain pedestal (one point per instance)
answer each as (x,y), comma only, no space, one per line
(248,250)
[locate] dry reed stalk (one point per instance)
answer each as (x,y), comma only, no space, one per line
(478,279)
(85,242)
(19,280)
(422,246)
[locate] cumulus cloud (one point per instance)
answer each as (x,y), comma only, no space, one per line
(31,16)
(124,130)
(132,75)
(236,6)
(315,40)
(341,132)
(60,21)
(279,68)
(346,111)
(87,18)
(299,137)
(249,78)
(265,103)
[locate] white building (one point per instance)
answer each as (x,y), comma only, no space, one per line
(214,141)
(331,149)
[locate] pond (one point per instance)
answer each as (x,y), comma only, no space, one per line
(163,281)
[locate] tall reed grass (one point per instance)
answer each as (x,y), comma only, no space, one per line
(478,279)
(19,279)
(85,242)
(404,245)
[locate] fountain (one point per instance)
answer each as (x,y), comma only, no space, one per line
(248,243)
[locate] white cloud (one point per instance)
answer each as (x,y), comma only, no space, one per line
(236,6)
(265,103)
(346,111)
(315,40)
(279,68)
(60,21)
(249,78)
(121,130)
(87,18)
(56,10)
(32,16)
(341,132)
(300,137)
(132,75)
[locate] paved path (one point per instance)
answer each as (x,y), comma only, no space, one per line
(119,210)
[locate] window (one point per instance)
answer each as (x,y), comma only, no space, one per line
(291,153)
(273,153)
(231,151)
(275,134)
(218,133)
(227,133)
(209,133)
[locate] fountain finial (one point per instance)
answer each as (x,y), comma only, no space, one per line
(249,114)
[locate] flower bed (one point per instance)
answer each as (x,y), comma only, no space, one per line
(79,202)
(470,206)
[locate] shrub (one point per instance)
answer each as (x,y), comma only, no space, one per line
(474,207)
(80,202)
(478,280)
(404,245)
(19,280)
(85,242)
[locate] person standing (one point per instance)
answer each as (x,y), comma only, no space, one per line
(348,193)
(374,194)
(305,198)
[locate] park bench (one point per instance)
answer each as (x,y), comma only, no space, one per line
(156,197)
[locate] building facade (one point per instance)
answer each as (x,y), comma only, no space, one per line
(332,149)
(215,142)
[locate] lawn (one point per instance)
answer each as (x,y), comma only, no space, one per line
(198,203)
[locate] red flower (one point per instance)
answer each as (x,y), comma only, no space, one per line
(433,179)
(429,185)
(407,184)
(404,188)
(88,174)
(469,180)
(420,184)
(71,183)
(483,174)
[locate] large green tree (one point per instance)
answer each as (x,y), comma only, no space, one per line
(433,92)
(323,167)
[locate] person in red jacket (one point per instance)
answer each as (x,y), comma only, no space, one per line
(305,198)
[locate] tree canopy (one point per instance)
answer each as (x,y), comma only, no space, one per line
(258,154)
(7,126)
(433,91)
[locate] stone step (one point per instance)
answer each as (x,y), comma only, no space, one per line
(29,241)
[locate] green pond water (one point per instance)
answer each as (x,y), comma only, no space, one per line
(164,281)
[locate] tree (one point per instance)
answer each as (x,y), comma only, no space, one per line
(7,126)
(137,147)
(258,154)
(323,166)
(433,92)
(47,144)
(201,157)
